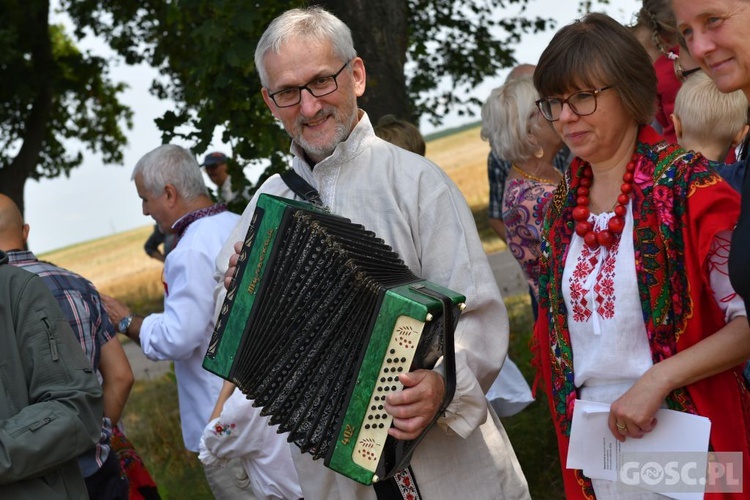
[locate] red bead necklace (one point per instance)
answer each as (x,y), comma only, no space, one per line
(616,224)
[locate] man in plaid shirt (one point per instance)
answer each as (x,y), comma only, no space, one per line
(81,304)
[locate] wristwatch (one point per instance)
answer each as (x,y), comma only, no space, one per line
(124,324)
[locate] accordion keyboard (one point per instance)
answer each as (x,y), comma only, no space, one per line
(376,422)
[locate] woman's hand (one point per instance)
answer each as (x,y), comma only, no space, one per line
(633,413)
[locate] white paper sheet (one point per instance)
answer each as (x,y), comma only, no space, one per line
(595,450)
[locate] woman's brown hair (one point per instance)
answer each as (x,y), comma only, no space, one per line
(597,51)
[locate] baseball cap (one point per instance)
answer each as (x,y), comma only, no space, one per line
(213,159)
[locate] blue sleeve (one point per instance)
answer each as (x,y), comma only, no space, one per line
(733,173)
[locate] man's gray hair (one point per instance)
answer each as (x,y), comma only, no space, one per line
(313,24)
(171,164)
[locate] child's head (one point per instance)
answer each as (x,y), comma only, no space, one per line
(706,118)
(401,133)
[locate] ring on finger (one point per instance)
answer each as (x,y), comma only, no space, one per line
(622,428)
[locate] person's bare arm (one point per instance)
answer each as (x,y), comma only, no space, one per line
(226,390)
(499,227)
(117,379)
(117,310)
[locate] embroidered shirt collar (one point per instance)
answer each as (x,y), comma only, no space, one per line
(183,222)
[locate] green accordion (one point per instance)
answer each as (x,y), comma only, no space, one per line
(319,320)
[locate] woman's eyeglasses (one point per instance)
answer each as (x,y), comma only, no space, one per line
(582,103)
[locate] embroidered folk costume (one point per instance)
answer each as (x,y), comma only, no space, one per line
(678,214)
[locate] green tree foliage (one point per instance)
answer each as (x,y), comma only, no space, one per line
(51,93)
(203,50)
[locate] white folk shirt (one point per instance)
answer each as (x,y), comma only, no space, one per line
(412,204)
(605,316)
(182,332)
(242,432)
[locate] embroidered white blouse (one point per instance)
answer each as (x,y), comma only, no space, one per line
(605,318)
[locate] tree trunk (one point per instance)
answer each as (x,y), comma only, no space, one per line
(380,32)
(13,177)
(12,184)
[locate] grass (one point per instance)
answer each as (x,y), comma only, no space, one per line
(118,266)
(531,431)
(152,422)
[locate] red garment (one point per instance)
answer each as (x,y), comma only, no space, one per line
(142,485)
(667,85)
(679,205)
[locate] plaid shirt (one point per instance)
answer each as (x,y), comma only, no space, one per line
(81,304)
(497,171)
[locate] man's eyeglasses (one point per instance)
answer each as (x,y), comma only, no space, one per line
(318,87)
(582,103)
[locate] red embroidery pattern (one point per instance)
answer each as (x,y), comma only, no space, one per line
(604,288)
(406,484)
(584,267)
(718,260)
(605,284)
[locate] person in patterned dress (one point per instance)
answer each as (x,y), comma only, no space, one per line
(522,135)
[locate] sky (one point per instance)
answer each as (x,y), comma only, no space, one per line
(99,200)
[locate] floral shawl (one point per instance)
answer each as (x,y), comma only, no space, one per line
(679,205)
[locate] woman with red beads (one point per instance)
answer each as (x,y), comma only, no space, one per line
(635,305)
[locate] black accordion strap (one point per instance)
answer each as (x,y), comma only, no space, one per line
(302,188)
(403,484)
(449,348)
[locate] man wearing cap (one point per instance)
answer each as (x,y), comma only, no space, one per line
(216,168)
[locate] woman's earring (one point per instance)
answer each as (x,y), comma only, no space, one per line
(539,153)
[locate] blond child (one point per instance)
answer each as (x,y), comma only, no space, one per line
(711,122)
(707,120)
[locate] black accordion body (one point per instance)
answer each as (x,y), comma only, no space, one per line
(319,320)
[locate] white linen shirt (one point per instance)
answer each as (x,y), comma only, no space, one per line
(240,431)
(415,208)
(182,332)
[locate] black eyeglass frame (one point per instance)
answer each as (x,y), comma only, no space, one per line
(683,74)
(306,86)
(593,92)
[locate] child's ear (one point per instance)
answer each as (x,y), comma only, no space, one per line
(677,125)
(740,135)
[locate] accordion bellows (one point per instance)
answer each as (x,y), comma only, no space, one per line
(319,320)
